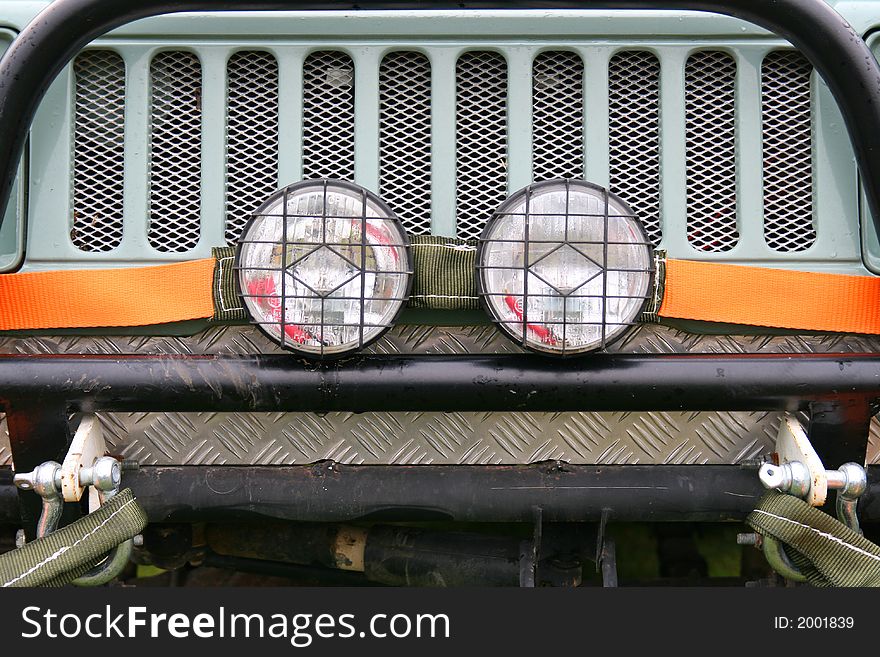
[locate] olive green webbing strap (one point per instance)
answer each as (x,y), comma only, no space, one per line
(443,277)
(227,304)
(64,555)
(826,551)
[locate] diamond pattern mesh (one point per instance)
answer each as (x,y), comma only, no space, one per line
(175,151)
(251,136)
(481,139)
(711,150)
(557,116)
(788,150)
(405,138)
(98,150)
(634,135)
(328,116)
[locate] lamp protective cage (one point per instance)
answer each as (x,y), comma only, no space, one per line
(564,267)
(324,267)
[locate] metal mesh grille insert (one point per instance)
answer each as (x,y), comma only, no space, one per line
(710,78)
(481,139)
(634,135)
(405,138)
(557,116)
(788,151)
(328,116)
(175,151)
(251,136)
(98,150)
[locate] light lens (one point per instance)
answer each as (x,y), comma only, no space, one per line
(324,267)
(564,267)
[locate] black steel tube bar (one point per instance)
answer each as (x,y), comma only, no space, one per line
(603,382)
(838,53)
(330,492)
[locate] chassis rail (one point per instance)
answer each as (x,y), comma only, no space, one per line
(333,492)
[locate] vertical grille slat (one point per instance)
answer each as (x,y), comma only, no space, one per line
(403,142)
(405,138)
(251,136)
(634,135)
(98,150)
(175,151)
(710,101)
(481,139)
(557,116)
(328,115)
(788,151)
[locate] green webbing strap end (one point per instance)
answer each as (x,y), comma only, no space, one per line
(227,304)
(443,277)
(62,556)
(827,552)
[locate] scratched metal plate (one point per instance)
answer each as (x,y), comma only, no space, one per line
(441,438)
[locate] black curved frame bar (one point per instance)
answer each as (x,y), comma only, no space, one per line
(54,37)
(512,382)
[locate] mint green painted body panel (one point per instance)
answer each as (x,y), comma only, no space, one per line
(12,232)
(442,37)
(870,239)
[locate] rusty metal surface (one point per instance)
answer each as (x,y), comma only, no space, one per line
(433,438)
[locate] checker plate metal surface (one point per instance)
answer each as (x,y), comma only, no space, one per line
(440,438)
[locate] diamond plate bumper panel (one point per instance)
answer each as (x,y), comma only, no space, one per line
(435,438)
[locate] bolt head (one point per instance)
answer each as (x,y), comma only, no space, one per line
(856,480)
(772,476)
(106,474)
(45,479)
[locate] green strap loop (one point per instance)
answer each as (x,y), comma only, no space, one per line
(64,555)
(826,551)
(443,277)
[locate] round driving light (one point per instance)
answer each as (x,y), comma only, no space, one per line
(564,267)
(324,267)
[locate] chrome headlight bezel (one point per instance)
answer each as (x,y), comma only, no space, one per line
(378,236)
(512,317)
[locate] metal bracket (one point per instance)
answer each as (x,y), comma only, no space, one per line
(530,551)
(807,480)
(85,467)
(86,448)
(800,472)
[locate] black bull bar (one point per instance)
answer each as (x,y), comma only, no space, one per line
(838,393)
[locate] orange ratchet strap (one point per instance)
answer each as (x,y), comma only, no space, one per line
(702,291)
(781,298)
(88,298)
